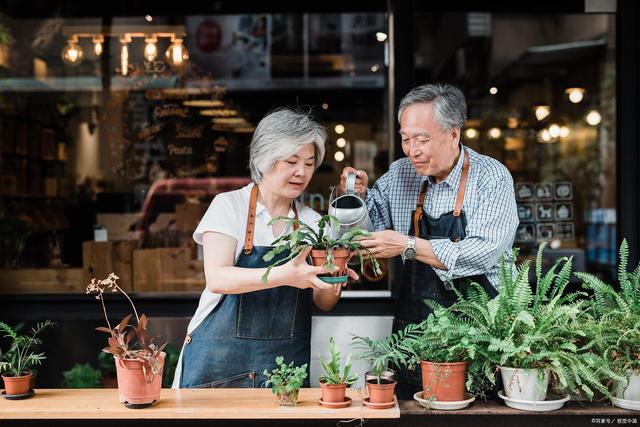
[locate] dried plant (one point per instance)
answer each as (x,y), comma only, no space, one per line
(127,341)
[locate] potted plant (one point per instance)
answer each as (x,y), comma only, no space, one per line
(22,355)
(533,336)
(82,376)
(286,381)
(333,383)
(139,361)
(332,254)
(614,323)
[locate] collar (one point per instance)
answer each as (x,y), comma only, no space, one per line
(453,179)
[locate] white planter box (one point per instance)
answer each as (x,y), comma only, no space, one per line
(523,384)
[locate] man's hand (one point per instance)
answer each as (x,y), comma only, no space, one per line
(362,180)
(385,244)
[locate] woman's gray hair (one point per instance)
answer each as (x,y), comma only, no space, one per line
(449,105)
(281,134)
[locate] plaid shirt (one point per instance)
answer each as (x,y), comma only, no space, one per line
(489,206)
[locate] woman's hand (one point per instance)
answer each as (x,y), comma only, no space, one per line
(301,275)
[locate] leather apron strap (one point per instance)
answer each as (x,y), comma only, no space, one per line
(251,219)
(417,215)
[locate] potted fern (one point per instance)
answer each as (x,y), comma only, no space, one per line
(333,383)
(614,322)
(286,380)
(533,336)
(22,355)
(139,361)
(330,253)
(82,376)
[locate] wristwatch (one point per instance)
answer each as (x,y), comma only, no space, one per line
(410,250)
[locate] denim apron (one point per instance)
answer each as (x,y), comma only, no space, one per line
(244,333)
(420,281)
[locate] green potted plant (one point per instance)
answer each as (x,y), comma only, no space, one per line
(334,383)
(614,325)
(22,355)
(139,361)
(533,336)
(285,381)
(82,376)
(107,367)
(330,253)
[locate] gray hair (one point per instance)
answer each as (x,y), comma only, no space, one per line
(449,105)
(281,134)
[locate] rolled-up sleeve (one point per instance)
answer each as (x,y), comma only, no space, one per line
(490,233)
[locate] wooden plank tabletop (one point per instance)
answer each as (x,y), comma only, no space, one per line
(232,404)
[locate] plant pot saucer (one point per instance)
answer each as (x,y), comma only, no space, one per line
(139,405)
(337,405)
(633,405)
(386,405)
(442,405)
(334,279)
(533,405)
(31,393)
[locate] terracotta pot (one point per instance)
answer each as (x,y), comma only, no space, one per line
(381,393)
(340,255)
(32,382)
(333,393)
(444,381)
(133,389)
(17,385)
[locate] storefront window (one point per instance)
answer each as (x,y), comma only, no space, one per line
(116,133)
(541,99)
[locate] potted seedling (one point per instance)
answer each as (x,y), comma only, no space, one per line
(82,376)
(334,383)
(615,328)
(285,381)
(139,361)
(330,253)
(22,355)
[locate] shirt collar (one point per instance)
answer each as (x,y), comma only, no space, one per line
(453,179)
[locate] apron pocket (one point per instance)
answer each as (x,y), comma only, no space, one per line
(244,380)
(267,314)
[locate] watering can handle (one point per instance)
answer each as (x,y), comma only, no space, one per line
(351,183)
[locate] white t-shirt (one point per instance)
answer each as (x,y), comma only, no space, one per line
(227,214)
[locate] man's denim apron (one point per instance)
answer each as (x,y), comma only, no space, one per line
(420,282)
(244,333)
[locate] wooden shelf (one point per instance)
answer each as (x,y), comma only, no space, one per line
(230,404)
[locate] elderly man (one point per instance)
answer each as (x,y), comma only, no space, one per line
(449,212)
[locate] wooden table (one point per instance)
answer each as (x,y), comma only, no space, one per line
(182,405)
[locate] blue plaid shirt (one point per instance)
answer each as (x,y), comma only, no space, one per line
(489,206)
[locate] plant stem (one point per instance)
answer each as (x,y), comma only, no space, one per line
(131,302)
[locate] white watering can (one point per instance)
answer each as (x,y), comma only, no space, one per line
(349,209)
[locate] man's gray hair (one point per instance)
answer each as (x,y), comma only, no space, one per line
(449,105)
(281,134)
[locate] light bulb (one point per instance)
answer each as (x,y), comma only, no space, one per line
(339,156)
(97,45)
(576,94)
(542,112)
(177,54)
(564,131)
(471,133)
(494,133)
(341,142)
(72,54)
(493,90)
(545,136)
(325,106)
(380,36)
(339,129)
(124,59)
(150,49)
(554,130)
(594,118)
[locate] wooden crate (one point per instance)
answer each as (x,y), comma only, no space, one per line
(99,259)
(167,270)
(42,280)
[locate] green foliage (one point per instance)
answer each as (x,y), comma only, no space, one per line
(285,378)
(23,353)
(332,368)
(306,236)
(170,364)
(106,364)
(82,376)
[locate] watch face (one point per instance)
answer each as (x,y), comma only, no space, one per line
(410,253)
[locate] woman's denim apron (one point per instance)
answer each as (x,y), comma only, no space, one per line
(244,333)
(420,282)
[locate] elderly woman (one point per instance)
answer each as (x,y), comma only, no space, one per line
(242,324)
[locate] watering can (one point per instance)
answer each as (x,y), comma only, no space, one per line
(349,208)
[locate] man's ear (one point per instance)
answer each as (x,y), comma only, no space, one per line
(454,136)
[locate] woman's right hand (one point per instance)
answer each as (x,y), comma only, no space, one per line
(300,274)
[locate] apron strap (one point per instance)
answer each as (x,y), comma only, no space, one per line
(417,215)
(251,219)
